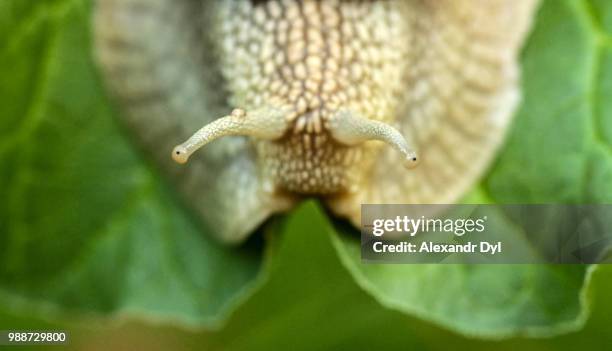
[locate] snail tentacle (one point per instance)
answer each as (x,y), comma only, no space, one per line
(264,123)
(350,128)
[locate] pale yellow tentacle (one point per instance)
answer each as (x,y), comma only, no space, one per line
(264,123)
(349,128)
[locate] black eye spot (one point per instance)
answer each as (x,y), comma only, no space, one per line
(178,152)
(414,159)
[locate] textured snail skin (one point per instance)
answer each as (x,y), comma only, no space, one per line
(442,74)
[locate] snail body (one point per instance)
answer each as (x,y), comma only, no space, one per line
(338,100)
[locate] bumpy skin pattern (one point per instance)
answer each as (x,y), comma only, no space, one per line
(316,57)
(444,72)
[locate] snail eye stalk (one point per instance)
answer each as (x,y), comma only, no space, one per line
(263,123)
(350,128)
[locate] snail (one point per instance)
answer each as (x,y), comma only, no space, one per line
(350,102)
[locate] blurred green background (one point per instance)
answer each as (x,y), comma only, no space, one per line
(93,241)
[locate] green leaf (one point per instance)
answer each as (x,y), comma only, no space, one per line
(479,300)
(85,225)
(309,300)
(560,148)
(321,308)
